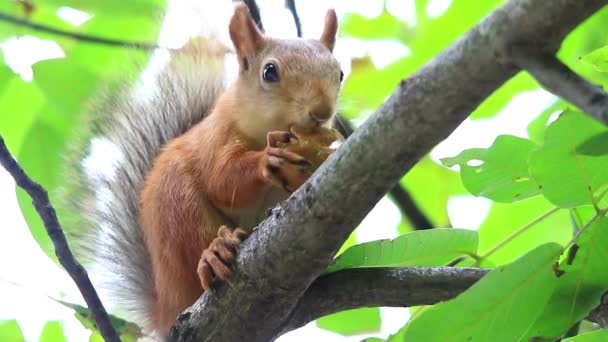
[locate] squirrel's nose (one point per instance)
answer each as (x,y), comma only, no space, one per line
(321,113)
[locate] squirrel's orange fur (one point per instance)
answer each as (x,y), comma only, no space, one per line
(228,169)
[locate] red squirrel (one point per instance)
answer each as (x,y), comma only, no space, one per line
(200,164)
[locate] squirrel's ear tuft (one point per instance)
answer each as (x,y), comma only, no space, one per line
(328,37)
(246,37)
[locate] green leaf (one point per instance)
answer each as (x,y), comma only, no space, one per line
(350,322)
(430,186)
(67,95)
(114,8)
(598,59)
(569,179)
(582,285)
(506,219)
(52,332)
(597,145)
(499,307)
(538,126)
(500,172)
(381,27)
(10,332)
(418,248)
(595,336)
(129,332)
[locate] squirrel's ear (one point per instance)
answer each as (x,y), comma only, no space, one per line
(328,37)
(246,37)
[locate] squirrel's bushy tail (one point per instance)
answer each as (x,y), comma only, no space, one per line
(128,132)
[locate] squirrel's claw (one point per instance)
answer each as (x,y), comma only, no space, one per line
(217,259)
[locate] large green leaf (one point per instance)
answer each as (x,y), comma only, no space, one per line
(419,248)
(20,103)
(504,220)
(597,145)
(499,172)
(598,58)
(114,8)
(430,186)
(595,336)
(499,307)
(52,332)
(383,26)
(582,285)
(568,178)
(350,322)
(10,332)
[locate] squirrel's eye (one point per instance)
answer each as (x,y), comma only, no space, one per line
(270,73)
(341,76)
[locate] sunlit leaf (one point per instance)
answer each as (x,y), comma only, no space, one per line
(10,331)
(595,336)
(538,126)
(350,322)
(52,332)
(504,220)
(113,7)
(569,179)
(419,248)
(598,58)
(582,285)
(384,26)
(430,186)
(499,307)
(499,172)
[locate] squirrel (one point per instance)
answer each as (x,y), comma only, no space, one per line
(199,163)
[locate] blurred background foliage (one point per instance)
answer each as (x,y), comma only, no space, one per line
(39,115)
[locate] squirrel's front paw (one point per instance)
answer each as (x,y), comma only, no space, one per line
(283,167)
(217,260)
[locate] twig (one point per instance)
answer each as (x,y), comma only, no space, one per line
(77,36)
(46,211)
(398,193)
(291,6)
(559,79)
(255,13)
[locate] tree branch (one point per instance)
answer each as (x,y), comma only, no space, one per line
(292,247)
(371,287)
(557,78)
(255,13)
(291,6)
(77,36)
(400,195)
(46,211)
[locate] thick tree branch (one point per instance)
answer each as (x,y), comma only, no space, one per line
(371,287)
(400,195)
(46,211)
(556,77)
(291,248)
(77,36)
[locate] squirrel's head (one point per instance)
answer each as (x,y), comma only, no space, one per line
(285,82)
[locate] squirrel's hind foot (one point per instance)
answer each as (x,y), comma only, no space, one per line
(217,260)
